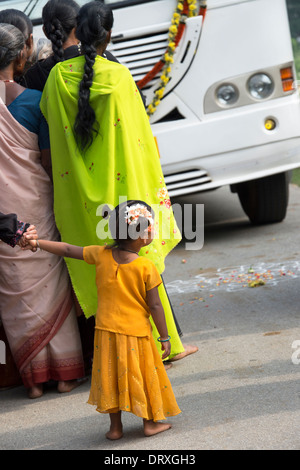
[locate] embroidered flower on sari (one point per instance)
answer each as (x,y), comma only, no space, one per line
(141,144)
(162,194)
(167,203)
(67,131)
(121,178)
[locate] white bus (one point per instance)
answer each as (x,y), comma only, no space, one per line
(226,111)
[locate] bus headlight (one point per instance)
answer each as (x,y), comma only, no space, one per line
(260,86)
(227,95)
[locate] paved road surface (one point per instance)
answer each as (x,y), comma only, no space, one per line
(241,390)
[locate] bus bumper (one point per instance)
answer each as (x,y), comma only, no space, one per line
(207,173)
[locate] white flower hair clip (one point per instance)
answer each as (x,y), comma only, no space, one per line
(133,213)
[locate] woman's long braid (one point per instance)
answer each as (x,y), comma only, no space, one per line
(94,22)
(86,118)
(57,36)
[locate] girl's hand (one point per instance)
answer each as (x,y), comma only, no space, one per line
(57,248)
(166,347)
(31,245)
(30,234)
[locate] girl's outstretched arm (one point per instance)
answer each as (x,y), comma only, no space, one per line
(58,248)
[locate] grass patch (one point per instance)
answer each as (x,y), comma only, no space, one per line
(296,176)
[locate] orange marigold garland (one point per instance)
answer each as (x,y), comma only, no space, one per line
(203,8)
(184,10)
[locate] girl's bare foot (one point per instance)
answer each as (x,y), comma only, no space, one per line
(151,428)
(36,391)
(116,427)
(69,385)
(113,435)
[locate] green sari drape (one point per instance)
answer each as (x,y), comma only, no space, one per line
(121,164)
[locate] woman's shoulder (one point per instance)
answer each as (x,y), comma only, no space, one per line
(114,64)
(32,95)
(27,100)
(70,65)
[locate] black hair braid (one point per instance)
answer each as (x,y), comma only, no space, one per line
(59,18)
(57,36)
(85,121)
(94,21)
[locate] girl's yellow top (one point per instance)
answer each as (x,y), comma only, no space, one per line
(122,291)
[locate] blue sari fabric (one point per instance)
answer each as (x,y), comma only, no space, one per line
(26,110)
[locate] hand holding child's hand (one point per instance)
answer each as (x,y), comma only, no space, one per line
(166,347)
(29,239)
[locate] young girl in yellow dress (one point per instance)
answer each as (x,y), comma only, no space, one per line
(128,373)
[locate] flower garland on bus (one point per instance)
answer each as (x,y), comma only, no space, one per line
(184,10)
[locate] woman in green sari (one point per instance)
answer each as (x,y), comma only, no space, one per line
(103,152)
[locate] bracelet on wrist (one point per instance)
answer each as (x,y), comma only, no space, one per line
(164,340)
(38,245)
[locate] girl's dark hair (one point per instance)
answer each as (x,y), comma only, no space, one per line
(118,226)
(18,19)
(94,22)
(59,18)
(12,42)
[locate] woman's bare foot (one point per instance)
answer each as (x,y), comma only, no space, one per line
(188,349)
(116,427)
(151,428)
(167,365)
(69,385)
(36,391)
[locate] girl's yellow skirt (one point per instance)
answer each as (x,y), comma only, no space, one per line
(128,375)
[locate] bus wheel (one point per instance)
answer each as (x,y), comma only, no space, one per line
(265,200)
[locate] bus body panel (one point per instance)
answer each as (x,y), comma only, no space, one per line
(237,40)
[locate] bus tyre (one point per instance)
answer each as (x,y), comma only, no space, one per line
(265,200)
